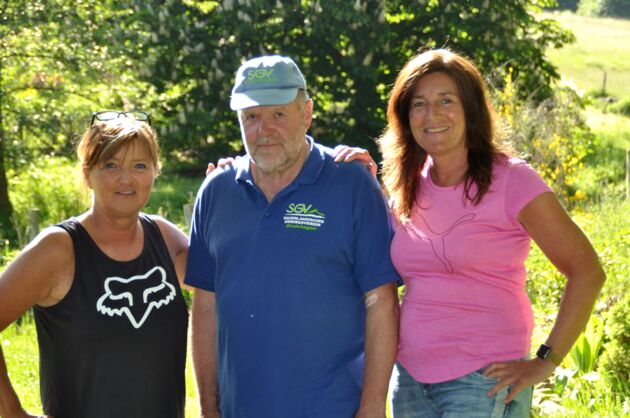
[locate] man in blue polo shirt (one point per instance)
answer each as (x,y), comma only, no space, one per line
(295,312)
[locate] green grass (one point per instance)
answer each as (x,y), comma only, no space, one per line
(604,169)
(169,195)
(603,45)
(19,345)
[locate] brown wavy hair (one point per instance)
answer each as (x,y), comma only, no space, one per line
(104,139)
(403,159)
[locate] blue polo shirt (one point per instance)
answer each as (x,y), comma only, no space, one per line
(289,278)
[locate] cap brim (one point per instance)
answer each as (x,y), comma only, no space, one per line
(263,97)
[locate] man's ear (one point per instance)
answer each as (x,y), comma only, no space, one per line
(308,113)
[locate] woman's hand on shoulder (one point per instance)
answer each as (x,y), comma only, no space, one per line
(40,275)
(223,162)
(344,153)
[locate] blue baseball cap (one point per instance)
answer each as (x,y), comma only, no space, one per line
(266,80)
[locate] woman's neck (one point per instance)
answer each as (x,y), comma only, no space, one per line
(120,238)
(449,170)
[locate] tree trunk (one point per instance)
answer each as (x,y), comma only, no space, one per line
(6,209)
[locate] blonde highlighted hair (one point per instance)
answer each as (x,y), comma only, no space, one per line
(104,139)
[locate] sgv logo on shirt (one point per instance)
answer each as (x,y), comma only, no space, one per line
(303,216)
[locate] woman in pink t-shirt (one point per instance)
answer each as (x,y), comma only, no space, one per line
(467,213)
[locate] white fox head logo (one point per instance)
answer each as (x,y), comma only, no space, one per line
(136,296)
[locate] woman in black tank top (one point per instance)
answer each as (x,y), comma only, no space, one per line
(105,286)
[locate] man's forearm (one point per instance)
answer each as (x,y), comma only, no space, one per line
(381,342)
(203,345)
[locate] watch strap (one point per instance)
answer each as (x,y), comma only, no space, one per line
(554,358)
(546,353)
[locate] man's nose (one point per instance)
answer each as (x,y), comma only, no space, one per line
(264,126)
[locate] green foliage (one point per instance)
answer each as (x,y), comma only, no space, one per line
(616,8)
(349,51)
(616,358)
(604,173)
(170,193)
(582,386)
(59,61)
(552,135)
(622,107)
(52,185)
(585,352)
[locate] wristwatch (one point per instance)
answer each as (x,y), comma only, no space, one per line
(544,353)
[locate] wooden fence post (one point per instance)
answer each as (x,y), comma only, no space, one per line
(33,224)
(188,208)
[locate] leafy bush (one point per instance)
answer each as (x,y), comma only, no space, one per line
(552,135)
(586,350)
(52,185)
(622,107)
(616,359)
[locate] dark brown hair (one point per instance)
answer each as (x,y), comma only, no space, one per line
(403,159)
(104,139)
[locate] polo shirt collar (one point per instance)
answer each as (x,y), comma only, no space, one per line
(308,174)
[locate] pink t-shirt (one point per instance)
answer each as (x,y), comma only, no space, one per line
(465,304)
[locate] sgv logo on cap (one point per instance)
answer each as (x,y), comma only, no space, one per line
(261,76)
(267,80)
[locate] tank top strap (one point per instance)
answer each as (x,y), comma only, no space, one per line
(78,234)
(153,237)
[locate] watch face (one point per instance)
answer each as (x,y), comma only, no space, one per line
(543,351)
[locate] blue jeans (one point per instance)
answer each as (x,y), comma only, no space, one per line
(462,397)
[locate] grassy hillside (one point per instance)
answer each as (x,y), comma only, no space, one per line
(603,45)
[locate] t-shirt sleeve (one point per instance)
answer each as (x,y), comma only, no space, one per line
(373,235)
(522,186)
(200,267)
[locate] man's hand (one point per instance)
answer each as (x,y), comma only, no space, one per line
(344,153)
(520,374)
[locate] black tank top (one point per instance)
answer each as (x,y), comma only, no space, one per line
(115,345)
